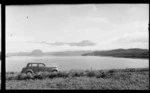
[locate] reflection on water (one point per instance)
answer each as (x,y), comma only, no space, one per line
(76,62)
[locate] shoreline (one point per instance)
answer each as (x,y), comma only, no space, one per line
(147,58)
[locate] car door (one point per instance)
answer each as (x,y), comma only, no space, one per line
(41,68)
(34,67)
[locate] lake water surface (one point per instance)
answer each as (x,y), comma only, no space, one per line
(16,63)
(0,65)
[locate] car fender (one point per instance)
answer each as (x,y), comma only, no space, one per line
(30,70)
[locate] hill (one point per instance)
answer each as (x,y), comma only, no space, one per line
(67,53)
(127,53)
(36,52)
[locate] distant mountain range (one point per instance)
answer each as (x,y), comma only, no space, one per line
(38,52)
(127,53)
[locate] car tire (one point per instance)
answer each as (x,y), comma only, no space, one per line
(29,74)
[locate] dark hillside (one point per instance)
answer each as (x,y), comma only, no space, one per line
(127,53)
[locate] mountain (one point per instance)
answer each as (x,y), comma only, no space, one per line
(67,53)
(38,52)
(127,53)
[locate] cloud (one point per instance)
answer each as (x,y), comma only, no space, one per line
(19,38)
(136,37)
(82,43)
(54,44)
(96,19)
(90,19)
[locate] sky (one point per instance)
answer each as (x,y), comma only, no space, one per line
(76,27)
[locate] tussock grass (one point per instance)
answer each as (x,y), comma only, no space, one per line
(113,73)
(115,79)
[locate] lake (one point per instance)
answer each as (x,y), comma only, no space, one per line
(16,63)
(0,65)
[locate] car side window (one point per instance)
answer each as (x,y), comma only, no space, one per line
(41,65)
(34,65)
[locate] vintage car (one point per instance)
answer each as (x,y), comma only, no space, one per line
(32,68)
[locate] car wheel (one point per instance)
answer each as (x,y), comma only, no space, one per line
(29,74)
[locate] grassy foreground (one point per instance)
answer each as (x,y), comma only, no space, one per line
(114,79)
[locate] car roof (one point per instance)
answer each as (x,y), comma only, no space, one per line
(35,63)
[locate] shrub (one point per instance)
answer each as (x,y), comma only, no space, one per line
(112,71)
(11,77)
(24,77)
(103,75)
(53,75)
(63,74)
(91,74)
(76,74)
(38,76)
